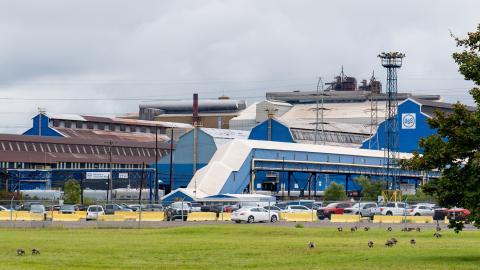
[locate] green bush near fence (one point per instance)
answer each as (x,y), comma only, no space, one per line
(234,246)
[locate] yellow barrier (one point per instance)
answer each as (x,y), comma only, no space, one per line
(202,216)
(66,217)
(387,219)
(345,218)
(81,214)
(153,216)
(281,216)
(111,218)
(27,216)
(402,219)
(7,215)
(420,219)
(301,217)
(225,216)
(128,215)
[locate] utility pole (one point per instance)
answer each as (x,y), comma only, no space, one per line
(156,164)
(110,180)
(317,109)
(171,160)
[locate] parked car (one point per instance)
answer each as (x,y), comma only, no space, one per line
(332,208)
(363,209)
(297,209)
(110,209)
(136,207)
(38,209)
(196,207)
(273,208)
(394,209)
(420,210)
(457,214)
(68,209)
(178,210)
(254,214)
(55,208)
(3,208)
(94,211)
(308,203)
(153,208)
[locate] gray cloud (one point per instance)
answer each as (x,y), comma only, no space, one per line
(168,49)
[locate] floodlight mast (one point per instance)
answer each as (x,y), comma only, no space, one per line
(392,61)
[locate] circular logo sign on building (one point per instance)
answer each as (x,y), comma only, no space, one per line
(409,120)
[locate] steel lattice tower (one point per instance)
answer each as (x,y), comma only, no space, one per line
(392,61)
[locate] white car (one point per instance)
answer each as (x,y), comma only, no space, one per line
(420,210)
(394,209)
(2,208)
(93,211)
(297,209)
(254,214)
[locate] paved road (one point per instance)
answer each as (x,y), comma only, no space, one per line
(165,224)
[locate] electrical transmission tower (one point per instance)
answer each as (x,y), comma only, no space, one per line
(392,61)
(317,109)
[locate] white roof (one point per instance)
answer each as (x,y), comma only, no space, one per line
(231,156)
(222,136)
(64,116)
(339,117)
(249,113)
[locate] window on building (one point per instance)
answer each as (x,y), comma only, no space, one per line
(89,125)
(111,127)
(56,123)
(143,129)
(68,124)
(101,126)
(78,124)
(133,129)
(123,128)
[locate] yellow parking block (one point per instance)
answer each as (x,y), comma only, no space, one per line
(301,217)
(224,216)
(111,218)
(81,214)
(128,215)
(7,215)
(202,216)
(281,216)
(27,216)
(153,216)
(387,219)
(66,217)
(345,218)
(419,219)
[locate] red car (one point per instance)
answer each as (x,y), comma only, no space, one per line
(332,208)
(457,213)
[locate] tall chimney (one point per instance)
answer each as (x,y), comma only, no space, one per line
(195,108)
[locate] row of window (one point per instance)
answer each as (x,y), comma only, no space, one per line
(77,149)
(66,165)
(104,126)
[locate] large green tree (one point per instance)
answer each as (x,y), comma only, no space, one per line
(335,192)
(371,189)
(71,192)
(455,149)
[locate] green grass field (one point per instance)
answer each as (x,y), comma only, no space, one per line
(235,247)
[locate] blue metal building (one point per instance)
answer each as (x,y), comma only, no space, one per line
(412,118)
(185,160)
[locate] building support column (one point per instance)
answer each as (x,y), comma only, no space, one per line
(288,183)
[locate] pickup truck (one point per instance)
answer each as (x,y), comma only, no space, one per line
(332,208)
(394,209)
(363,208)
(178,210)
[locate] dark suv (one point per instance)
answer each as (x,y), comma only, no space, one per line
(178,210)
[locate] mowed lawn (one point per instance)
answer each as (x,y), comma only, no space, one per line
(236,247)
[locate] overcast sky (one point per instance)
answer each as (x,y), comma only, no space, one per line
(104,57)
